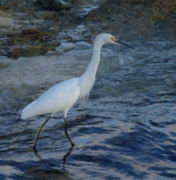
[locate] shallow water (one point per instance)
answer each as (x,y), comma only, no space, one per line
(125,130)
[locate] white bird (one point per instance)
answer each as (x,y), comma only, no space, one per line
(61,97)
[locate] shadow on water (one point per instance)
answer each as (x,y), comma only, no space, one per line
(126,130)
(54,174)
(64,157)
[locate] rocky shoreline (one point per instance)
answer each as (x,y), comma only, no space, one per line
(32,29)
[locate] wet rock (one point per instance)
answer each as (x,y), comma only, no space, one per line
(16,5)
(22,5)
(46,15)
(20,30)
(134,19)
(25,28)
(15,53)
(54,5)
(82,45)
(64,47)
(50,53)
(167,6)
(31,42)
(31,35)
(28,51)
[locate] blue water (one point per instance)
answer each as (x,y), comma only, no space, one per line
(126,129)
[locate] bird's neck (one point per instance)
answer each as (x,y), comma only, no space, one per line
(88,78)
(93,65)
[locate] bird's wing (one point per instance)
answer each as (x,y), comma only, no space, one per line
(58,98)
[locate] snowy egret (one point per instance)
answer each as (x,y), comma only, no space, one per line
(62,96)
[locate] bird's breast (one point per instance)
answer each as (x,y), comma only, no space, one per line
(86,85)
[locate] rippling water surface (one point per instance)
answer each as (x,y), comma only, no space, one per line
(126,129)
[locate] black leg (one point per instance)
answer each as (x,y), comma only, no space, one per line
(66,134)
(38,131)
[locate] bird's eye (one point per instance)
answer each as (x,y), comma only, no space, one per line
(113,39)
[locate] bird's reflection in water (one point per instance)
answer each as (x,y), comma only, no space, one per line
(36,154)
(64,157)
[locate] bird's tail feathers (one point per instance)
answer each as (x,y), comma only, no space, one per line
(28,111)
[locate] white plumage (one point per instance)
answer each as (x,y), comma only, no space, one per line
(62,96)
(58,98)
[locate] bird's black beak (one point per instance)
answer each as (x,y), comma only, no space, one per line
(120,42)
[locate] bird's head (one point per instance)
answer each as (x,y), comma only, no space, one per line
(105,38)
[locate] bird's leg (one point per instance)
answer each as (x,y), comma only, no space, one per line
(38,131)
(66,134)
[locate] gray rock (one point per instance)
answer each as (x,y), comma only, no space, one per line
(16,4)
(54,4)
(36,4)
(64,47)
(50,53)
